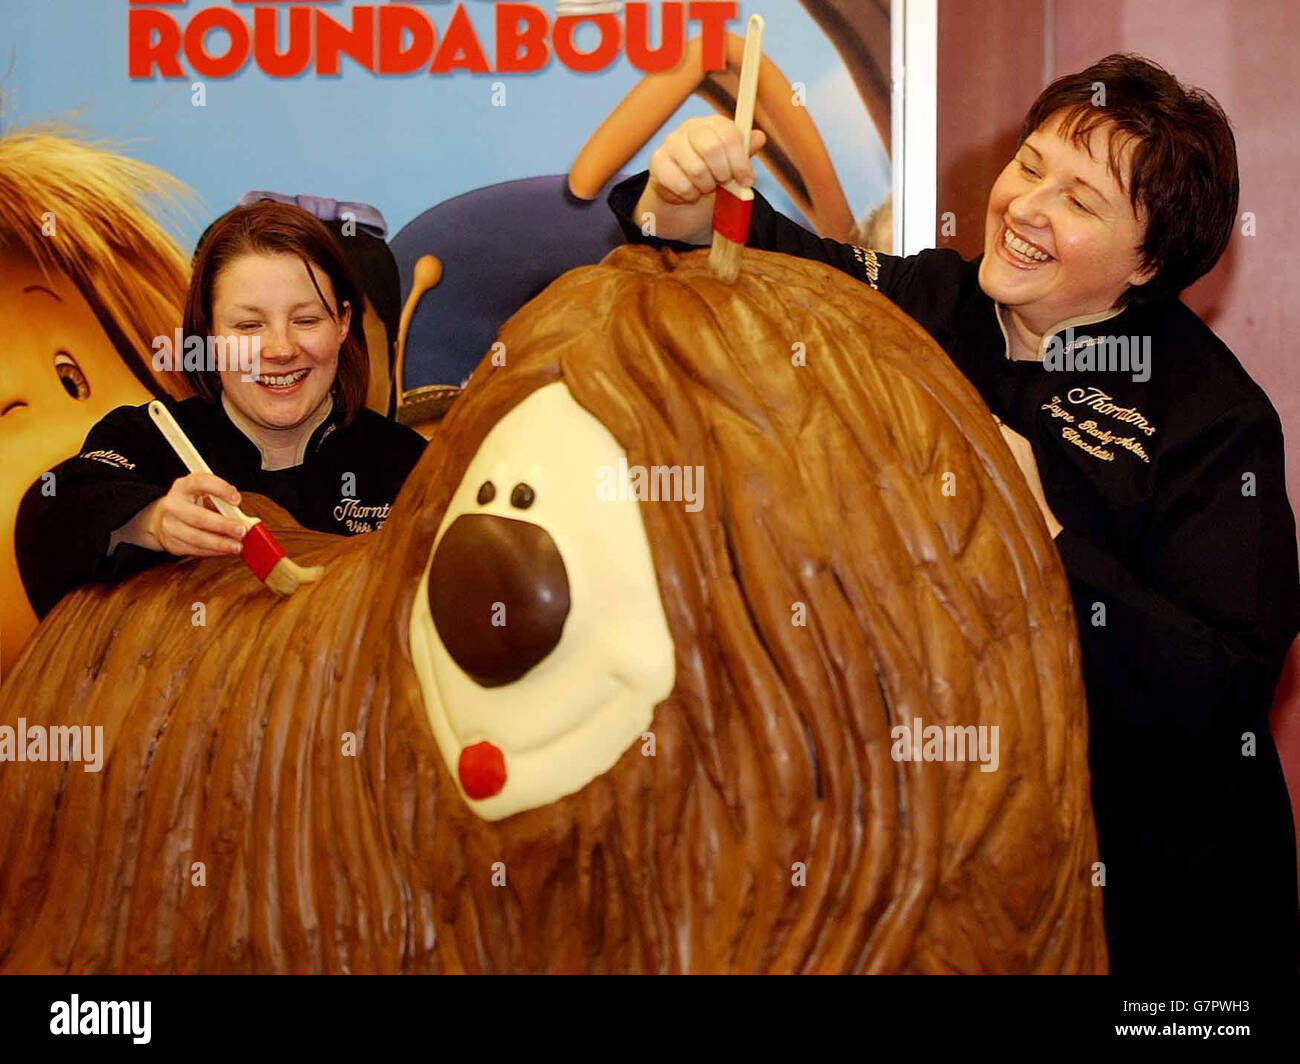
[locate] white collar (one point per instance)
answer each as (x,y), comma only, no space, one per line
(1060,326)
(253,432)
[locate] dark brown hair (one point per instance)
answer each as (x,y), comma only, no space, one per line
(269,228)
(1183,170)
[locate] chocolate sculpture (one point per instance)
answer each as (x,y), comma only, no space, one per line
(675,750)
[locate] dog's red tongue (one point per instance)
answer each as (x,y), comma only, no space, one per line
(482,770)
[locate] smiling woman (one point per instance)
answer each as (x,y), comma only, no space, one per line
(1163,488)
(1061,236)
(295,429)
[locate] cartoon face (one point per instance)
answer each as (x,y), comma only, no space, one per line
(59,374)
(538,633)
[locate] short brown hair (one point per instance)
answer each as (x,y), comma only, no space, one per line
(270,228)
(1183,170)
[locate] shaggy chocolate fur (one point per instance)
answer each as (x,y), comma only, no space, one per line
(823,486)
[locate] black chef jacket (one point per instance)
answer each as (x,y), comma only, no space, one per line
(1180,548)
(346,482)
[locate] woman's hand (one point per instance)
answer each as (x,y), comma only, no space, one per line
(686,170)
(1024,456)
(179,523)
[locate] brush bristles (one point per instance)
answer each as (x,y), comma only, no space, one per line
(287,576)
(724,258)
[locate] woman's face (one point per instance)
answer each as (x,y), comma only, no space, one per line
(272,298)
(1060,237)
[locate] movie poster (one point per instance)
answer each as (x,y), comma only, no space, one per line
(483,134)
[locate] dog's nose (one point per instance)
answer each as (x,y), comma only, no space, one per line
(499,594)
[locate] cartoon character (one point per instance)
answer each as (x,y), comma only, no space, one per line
(504,243)
(795,153)
(88,278)
(611,690)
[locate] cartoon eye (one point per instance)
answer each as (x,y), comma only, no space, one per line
(522,497)
(486,493)
(74,381)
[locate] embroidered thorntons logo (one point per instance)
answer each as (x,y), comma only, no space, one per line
(870,264)
(358,517)
(1097,400)
(1095,439)
(109,458)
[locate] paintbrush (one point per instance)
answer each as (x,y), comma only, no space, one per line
(733,203)
(261,551)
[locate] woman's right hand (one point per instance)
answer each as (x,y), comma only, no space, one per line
(686,170)
(179,523)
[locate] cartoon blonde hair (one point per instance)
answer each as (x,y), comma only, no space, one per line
(88,212)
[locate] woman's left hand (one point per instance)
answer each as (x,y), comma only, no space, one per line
(1024,456)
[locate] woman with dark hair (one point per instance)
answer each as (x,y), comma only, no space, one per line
(1157,464)
(290,422)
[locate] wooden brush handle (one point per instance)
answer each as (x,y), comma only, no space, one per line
(189,455)
(749,66)
(750,63)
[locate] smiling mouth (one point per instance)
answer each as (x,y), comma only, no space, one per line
(283,381)
(1021,250)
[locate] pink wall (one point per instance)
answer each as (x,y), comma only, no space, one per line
(983,94)
(992,62)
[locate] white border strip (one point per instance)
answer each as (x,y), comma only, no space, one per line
(914,78)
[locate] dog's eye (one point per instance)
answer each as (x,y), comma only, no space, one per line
(522,497)
(486,493)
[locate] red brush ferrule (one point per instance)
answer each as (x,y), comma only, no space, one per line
(731,215)
(261,551)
